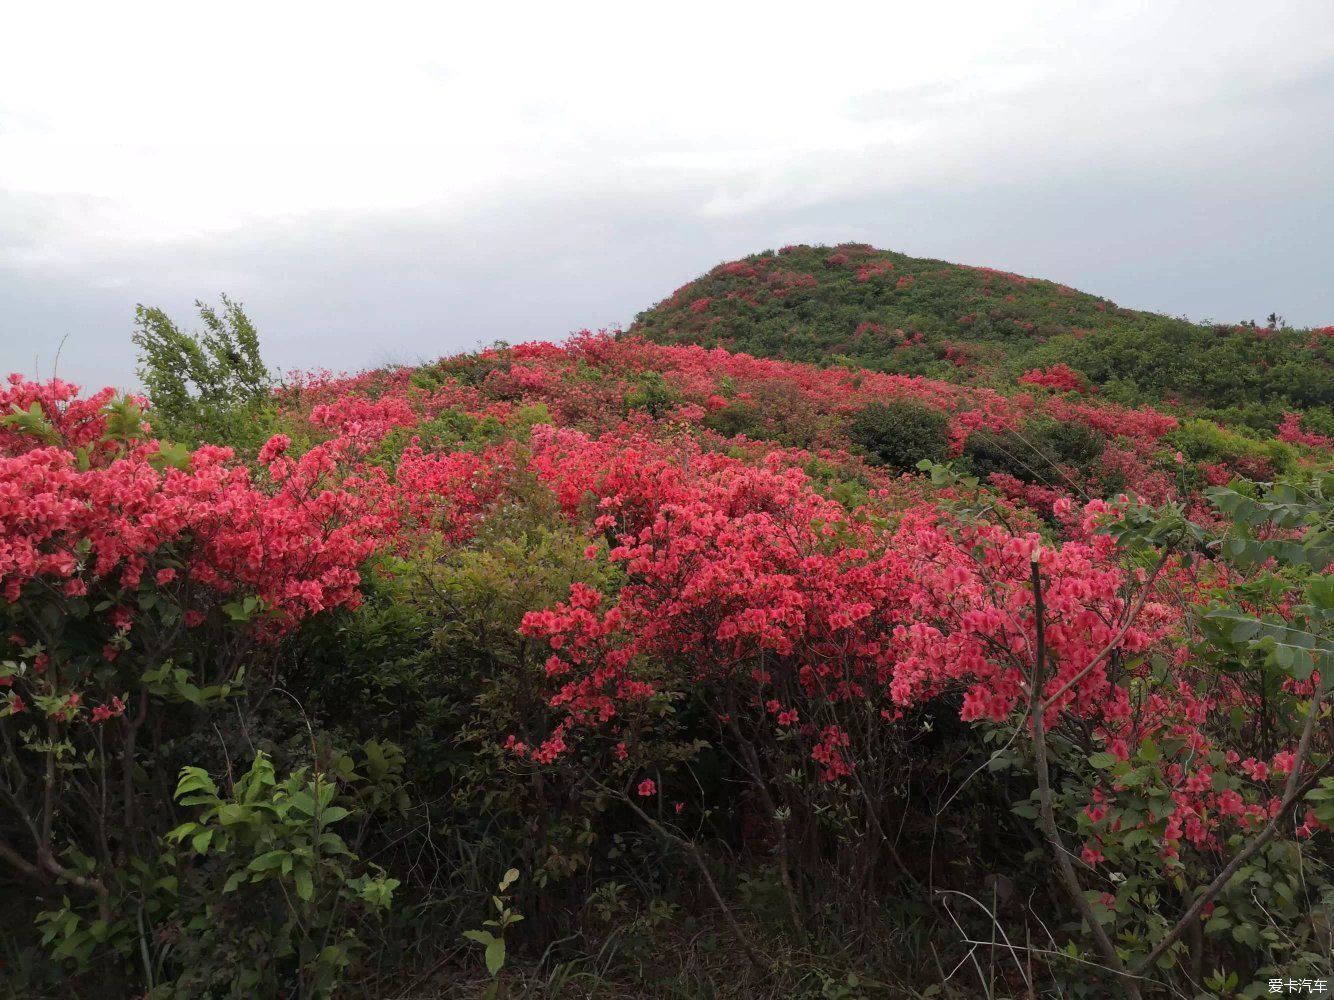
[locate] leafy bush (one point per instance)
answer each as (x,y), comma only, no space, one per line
(139,581)
(900,433)
(1205,441)
(650,392)
(211,387)
(1034,452)
(254,895)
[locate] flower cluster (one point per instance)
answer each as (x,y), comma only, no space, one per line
(746,576)
(1059,377)
(1290,430)
(126,536)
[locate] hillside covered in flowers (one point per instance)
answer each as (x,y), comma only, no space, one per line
(645,667)
(887,311)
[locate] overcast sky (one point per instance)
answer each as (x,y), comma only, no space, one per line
(393,182)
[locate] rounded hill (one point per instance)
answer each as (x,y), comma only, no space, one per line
(888,311)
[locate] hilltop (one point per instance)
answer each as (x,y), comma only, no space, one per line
(877,309)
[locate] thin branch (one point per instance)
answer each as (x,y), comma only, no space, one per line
(1048,818)
(20,862)
(1292,792)
(996,926)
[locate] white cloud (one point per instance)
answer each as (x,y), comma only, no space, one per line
(188,119)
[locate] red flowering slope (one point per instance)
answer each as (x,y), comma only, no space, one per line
(723,586)
(741,565)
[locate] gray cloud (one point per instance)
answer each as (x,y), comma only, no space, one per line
(1201,191)
(1221,239)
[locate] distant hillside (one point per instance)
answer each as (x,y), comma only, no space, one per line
(883,310)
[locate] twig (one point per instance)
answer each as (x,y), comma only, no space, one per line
(1292,791)
(996,926)
(693,851)
(1048,818)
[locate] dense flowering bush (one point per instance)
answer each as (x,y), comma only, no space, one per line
(1291,430)
(750,586)
(137,575)
(1059,377)
(744,572)
(876,269)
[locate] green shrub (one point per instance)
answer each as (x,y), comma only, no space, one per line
(259,894)
(207,388)
(740,417)
(1205,441)
(651,393)
(774,411)
(901,433)
(1032,453)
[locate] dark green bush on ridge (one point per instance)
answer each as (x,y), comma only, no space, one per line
(1033,454)
(901,433)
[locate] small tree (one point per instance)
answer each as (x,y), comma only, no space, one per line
(205,387)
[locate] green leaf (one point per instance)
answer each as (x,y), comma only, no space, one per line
(182,831)
(331,843)
(333,814)
(195,779)
(327,791)
(495,955)
(272,859)
(1246,934)
(1103,760)
(230,813)
(304,887)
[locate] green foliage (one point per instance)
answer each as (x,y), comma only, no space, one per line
(1262,635)
(775,411)
(1287,532)
(493,941)
(1206,441)
(1008,322)
(433,660)
(1034,453)
(901,432)
(208,387)
(259,893)
(299,891)
(652,394)
(32,422)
